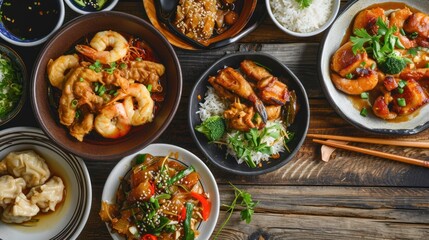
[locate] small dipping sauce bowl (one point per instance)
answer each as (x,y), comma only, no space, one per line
(90,6)
(30,22)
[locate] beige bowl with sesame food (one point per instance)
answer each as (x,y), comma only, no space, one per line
(185,157)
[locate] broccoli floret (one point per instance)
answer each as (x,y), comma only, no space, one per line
(393,65)
(213,127)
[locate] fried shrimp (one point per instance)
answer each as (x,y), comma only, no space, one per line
(138,104)
(58,68)
(352,73)
(101,42)
(68,105)
(82,127)
(112,121)
(101,88)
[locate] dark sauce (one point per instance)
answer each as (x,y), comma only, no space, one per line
(30,19)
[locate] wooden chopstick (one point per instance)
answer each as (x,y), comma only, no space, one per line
(402,143)
(408,160)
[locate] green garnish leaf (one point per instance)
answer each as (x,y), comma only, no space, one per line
(304,3)
(245,201)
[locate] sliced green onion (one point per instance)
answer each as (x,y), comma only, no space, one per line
(373,65)
(349,76)
(414,35)
(401,102)
(400,90)
(402,83)
(149,87)
(402,32)
(364,112)
(427,65)
(364,95)
(74,103)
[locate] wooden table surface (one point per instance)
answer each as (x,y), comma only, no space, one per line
(351,196)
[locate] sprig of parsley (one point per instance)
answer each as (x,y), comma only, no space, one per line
(244,144)
(380,45)
(304,3)
(245,201)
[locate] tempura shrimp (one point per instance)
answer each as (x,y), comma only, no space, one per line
(143,113)
(67,110)
(80,128)
(57,69)
(112,121)
(101,42)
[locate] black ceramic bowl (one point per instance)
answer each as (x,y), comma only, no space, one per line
(216,154)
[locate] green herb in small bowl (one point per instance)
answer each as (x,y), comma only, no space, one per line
(12,84)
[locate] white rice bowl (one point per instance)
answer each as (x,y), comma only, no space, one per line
(302,20)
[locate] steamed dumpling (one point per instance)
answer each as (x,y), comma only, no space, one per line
(48,195)
(10,188)
(20,211)
(28,165)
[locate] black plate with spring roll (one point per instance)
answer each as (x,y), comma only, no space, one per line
(262,86)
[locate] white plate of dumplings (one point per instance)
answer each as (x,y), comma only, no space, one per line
(45,188)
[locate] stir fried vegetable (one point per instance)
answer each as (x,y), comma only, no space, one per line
(158,199)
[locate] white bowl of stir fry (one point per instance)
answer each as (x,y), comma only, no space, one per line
(374,66)
(161,192)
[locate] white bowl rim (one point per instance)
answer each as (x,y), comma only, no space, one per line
(87,179)
(42,40)
(78,10)
(336,8)
(112,181)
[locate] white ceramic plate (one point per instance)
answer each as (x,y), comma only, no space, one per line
(69,219)
(206,178)
(339,101)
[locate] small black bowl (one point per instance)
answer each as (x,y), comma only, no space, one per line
(217,155)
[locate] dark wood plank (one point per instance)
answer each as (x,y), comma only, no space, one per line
(312,212)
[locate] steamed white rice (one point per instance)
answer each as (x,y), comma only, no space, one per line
(289,14)
(213,105)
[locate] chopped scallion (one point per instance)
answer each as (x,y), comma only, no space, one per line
(364,112)
(401,102)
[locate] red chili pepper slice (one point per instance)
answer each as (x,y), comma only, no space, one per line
(182,215)
(206,205)
(149,237)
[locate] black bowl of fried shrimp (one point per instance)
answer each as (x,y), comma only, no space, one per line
(106,85)
(374,66)
(249,114)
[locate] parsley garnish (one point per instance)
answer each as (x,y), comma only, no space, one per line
(246,203)
(380,45)
(245,144)
(304,3)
